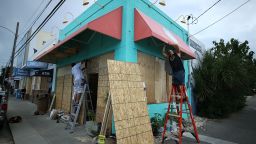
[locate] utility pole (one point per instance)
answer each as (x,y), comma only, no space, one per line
(14,46)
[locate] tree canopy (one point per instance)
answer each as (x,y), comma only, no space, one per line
(226,74)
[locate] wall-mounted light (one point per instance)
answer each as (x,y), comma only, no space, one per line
(43,42)
(161,2)
(86,2)
(52,30)
(66,17)
(34,50)
(188,20)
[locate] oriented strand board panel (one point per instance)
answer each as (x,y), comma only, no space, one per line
(129,102)
(154,76)
(98,65)
(103,90)
(59,91)
(147,68)
(29,86)
(64,87)
(67,93)
(160,81)
(66,70)
(44,85)
(93,64)
(36,83)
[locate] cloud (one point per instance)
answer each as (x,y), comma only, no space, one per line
(240,25)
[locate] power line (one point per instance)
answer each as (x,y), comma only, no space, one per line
(35,12)
(54,10)
(33,25)
(221,18)
(206,11)
(8,29)
(36,19)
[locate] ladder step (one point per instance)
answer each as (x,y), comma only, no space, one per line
(180,100)
(73,114)
(174,115)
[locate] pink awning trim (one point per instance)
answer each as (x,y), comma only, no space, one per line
(147,27)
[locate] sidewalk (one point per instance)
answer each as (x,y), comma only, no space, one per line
(238,128)
(40,129)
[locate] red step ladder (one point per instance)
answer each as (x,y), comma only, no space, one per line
(177,98)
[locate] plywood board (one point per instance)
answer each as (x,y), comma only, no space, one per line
(160,81)
(59,91)
(29,86)
(66,70)
(93,64)
(129,103)
(147,68)
(67,93)
(64,86)
(154,75)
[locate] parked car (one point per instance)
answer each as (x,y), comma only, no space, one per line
(3,107)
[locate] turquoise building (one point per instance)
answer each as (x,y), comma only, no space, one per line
(123,30)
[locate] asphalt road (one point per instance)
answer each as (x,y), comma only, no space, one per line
(6,135)
(239,128)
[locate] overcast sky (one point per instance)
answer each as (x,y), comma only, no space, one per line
(240,25)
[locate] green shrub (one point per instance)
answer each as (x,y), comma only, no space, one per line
(223,79)
(156,123)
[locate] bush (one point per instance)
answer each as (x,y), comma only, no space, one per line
(225,75)
(156,123)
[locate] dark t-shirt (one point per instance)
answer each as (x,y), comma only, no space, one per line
(176,64)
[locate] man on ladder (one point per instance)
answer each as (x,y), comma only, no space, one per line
(78,95)
(174,67)
(177,68)
(78,84)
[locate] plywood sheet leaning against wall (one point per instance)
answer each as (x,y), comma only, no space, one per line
(64,88)
(128,102)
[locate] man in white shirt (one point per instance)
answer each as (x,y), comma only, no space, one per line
(78,82)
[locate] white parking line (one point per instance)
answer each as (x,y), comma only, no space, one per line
(208,139)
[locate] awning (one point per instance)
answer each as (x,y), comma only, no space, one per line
(35,65)
(109,24)
(146,27)
(43,73)
(19,72)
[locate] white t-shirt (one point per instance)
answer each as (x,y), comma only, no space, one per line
(77,72)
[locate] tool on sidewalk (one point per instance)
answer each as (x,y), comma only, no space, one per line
(108,109)
(177,98)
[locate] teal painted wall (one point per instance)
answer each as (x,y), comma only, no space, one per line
(155,48)
(126,49)
(127,52)
(99,45)
(93,12)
